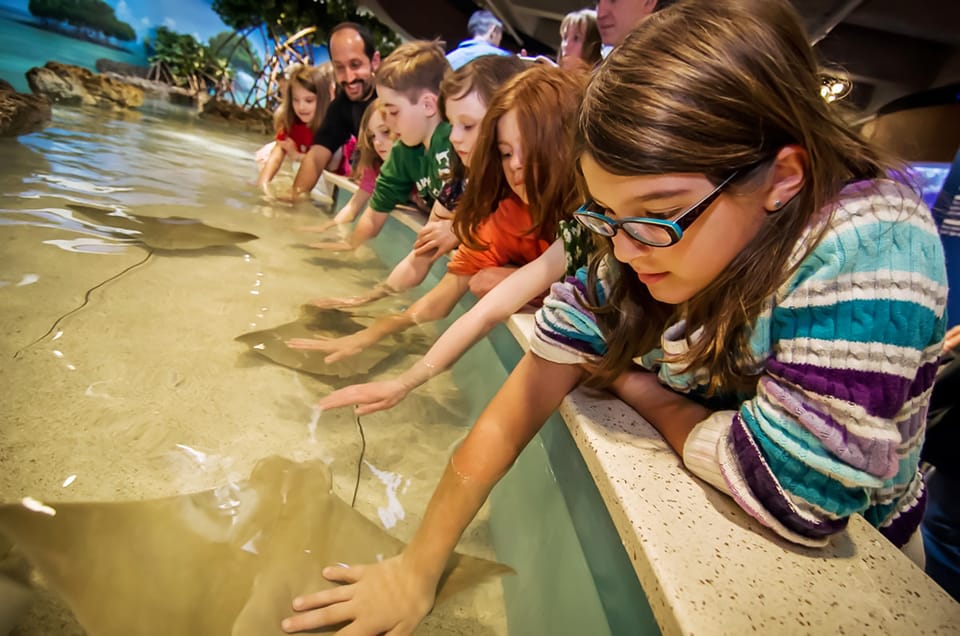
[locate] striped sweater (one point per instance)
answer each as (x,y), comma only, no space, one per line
(848,348)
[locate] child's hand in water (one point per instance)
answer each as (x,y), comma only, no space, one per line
(323,227)
(380,291)
(386,597)
(333,246)
(368,398)
(337,348)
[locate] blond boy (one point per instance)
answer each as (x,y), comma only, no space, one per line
(408,84)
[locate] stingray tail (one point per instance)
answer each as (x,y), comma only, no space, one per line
(86,299)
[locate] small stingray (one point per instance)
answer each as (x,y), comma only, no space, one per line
(167,234)
(223,561)
(161,233)
(328,323)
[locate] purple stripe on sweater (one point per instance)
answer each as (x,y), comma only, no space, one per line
(880,394)
(549,335)
(765,488)
(902,528)
(874,456)
(926,375)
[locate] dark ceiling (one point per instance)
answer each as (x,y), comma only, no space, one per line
(889,48)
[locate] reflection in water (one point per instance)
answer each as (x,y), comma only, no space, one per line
(229,559)
(161,400)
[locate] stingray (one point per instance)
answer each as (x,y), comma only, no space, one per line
(173,233)
(223,561)
(167,235)
(329,323)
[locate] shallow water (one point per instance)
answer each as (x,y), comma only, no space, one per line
(143,392)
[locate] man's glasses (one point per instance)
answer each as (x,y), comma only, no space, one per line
(653,232)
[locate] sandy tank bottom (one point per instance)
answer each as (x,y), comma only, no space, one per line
(144,393)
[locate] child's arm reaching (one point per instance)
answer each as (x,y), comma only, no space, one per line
(270,168)
(505,299)
(394,595)
(347,214)
(369,225)
(408,273)
(436,304)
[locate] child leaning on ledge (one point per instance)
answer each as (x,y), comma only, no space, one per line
(408,87)
(768,299)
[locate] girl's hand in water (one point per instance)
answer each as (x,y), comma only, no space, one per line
(337,348)
(386,597)
(380,291)
(323,227)
(368,398)
(333,246)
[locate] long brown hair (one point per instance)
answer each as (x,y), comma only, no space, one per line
(319,80)
(545,100)
(712,87)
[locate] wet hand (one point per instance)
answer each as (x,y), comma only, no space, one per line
(435,235)
(323,227)
(386,597)
(334,246)
(368,398)
(337,348)
(334,303)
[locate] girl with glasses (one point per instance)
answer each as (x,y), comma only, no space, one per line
(766,297)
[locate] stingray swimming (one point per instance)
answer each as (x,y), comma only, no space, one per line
(313,322)
(222,561)
(166,235)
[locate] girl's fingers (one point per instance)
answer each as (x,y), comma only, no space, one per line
(343,573)
(316,600)
(324,617)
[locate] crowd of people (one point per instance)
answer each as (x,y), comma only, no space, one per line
(704,235)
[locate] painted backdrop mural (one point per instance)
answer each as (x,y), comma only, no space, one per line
(82,31)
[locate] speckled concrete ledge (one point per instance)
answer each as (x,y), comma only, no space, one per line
(706,566)
(709,568)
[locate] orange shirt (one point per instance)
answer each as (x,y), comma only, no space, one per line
(506,233)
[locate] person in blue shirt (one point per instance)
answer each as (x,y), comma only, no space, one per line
(486,30)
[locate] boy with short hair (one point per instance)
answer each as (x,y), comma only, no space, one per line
(408,84)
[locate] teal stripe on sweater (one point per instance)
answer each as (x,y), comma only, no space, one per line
(892,322)
(801,480)
(870,245)
(796,444)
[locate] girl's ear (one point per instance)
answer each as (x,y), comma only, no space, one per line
(429,101)
(787,177)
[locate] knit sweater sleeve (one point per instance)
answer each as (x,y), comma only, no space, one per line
(565,329)
(837,421)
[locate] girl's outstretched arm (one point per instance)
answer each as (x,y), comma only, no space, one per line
(409,272)
(347,213)
(394,595)
(506,298)
(270,168)
(434,305)
(369,225)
